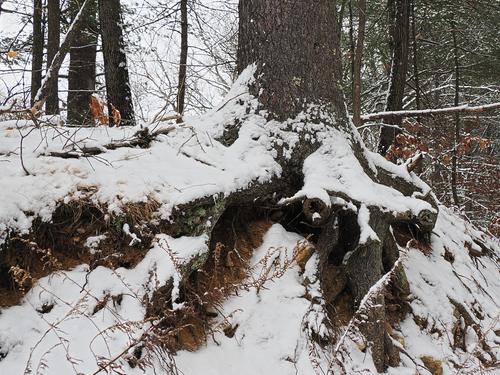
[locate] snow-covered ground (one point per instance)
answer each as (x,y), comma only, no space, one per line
(272,336)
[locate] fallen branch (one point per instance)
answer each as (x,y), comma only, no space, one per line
(430,112)
(141,139)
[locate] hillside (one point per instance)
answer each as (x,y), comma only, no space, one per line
(97,238)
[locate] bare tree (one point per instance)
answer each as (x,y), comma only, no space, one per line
(37,51)
(181,87)
(82,67)
(53,40)
(399,29)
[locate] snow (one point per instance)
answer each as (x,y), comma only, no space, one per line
(269,322)
(269,338)
(276,321)
(186,164)
(72,329)
(272,335)
(134,239)
(335,168)
(366,232)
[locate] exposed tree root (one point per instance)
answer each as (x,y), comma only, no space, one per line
(354,241)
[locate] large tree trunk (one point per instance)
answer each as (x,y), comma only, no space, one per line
(82,68)
(115,64)
(295,48)
(296,44)
(53,40)
(400,33)
(37,51)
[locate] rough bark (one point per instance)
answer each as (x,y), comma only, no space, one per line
(53,40)
(115,63)
(82,68)
(181,86)
(296,44)
(37,51)
(400,31)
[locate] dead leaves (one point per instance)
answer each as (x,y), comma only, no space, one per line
(99,112)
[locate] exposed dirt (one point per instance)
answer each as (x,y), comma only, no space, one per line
(237,234)
(61,245)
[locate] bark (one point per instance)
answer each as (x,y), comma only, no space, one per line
(82,68)
(53,40)
(358,63)
(118,90)
(416,72)
(400,10)
(181,87)
(296,45)
(37,51)
(456,139)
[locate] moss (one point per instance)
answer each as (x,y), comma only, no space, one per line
(196,263)
(118,223)
(202,221)
(204,218)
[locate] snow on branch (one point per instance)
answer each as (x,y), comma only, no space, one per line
(429,112)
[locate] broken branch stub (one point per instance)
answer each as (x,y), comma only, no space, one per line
(316,211)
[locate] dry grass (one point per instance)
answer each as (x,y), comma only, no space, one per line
(141,212)
(435,366)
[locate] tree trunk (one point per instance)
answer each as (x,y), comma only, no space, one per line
(295,48)
(121,111)
(82,68)
(456,139)
(400,15)
(37,51)
(53,40)
(358,64)
(296,44)
(416,72)
(181,87)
